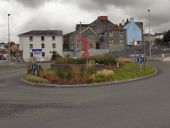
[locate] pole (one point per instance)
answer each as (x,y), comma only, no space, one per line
(150,54)
(145,40)
(80,35)
(80,29)
(9,37)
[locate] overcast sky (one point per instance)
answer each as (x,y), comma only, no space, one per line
(29,15)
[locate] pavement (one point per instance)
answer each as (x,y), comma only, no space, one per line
(138,104)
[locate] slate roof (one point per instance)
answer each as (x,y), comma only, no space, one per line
(42,32)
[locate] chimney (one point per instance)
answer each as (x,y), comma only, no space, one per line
(131,19)
(103,17)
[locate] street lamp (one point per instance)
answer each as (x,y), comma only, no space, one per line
(149,34)
(9,36)
(145,40)
(80,35)
(80,29)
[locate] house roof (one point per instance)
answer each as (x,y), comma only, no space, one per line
(69,34)
(147,35)
(139,24)
(158,34)
(43,32)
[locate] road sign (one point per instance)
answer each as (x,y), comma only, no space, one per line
(141,60)
(37,52)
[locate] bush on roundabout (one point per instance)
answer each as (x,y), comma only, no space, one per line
(88,73)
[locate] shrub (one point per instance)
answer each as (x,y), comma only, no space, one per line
(29,69)
(90,70)
(105,59)
(50,75)
(75,71)
(55,55)
(35,79)
(67,60)
(123,61)
(103,75)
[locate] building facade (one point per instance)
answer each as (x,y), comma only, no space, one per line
(40,44)
(134,32)
(98,34)
(115,38)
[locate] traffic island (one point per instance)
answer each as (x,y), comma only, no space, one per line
(89,76)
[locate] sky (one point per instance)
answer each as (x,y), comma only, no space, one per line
(27,15)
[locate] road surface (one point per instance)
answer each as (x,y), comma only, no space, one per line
(139,104)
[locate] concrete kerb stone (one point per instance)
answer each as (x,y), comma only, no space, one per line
(89,85)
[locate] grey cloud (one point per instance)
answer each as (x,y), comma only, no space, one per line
(103,4)
(43,23)
(121,3)
(33,3)
(138,9)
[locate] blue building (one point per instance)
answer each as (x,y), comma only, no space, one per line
(134,32)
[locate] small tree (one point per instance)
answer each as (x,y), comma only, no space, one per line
(166,38)
(158,41)
(54,55)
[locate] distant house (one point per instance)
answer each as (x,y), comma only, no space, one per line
(149,38)
(134,32)
(159,35)
(2,44)
(115,38)
(40,44)
(101,34)
(69,41)
(14,50)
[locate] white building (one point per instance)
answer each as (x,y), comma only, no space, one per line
(159,35)
(40,44)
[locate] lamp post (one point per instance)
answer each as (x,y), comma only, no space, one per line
(145,40)
(80,35)
(80,29)
(150,54)
(9,36)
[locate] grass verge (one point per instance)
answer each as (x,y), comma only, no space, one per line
(130,71)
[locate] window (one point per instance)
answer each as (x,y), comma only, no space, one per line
(111,42)
(111,33)
(121,42)
(43,54)
(53,45)
(31,54)
(91,45)
(121,33)
(53,37)
(31,38)
(42,38)
(42,45)
(31,46)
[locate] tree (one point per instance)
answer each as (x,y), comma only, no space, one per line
(158,41)
(166,38)
(54,55)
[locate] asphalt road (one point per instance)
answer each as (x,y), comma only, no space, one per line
(139,104)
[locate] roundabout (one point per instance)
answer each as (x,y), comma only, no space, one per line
(141,103)
(89,84)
